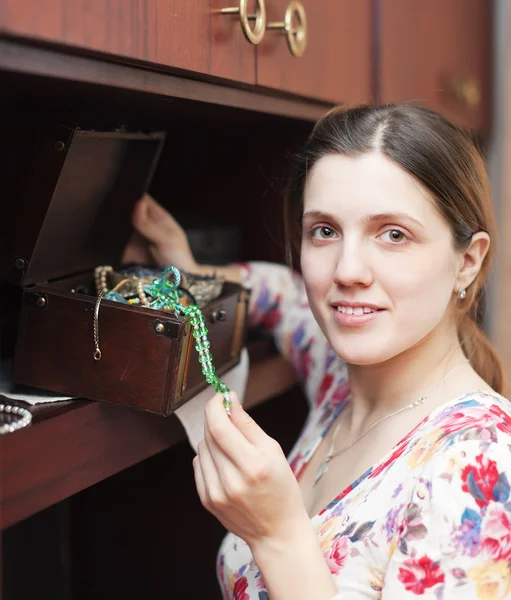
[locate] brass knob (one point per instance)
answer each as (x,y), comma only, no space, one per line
(218,315)
(254,36)
(296,35)
(464,90)
(41,301)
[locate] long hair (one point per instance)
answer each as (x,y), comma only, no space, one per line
(445,161)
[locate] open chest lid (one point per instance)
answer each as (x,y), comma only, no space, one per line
(72,202)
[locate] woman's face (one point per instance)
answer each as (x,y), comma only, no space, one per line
(377,257)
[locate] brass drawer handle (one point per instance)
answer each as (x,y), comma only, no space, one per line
(254,36)
(296,35)
(464,90)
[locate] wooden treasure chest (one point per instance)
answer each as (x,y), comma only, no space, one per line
(72,213)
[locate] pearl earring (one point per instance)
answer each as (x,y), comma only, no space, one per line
(462,294)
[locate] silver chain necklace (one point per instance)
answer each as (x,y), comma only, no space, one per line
(323,467)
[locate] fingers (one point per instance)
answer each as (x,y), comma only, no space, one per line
(226,470)
(166,240)
(244,422)
(157,214)
(153,222)
(139,211)
(199,481)
(212,489)
(229,439)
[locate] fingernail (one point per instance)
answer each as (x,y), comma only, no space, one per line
(226,399)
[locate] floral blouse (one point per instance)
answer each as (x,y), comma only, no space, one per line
(431,519)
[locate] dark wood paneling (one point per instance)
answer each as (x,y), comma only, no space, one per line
(71,447)
(19,58)
(144,533)
(337,64)
(427,42)
(43,542)
(165,32)
(138,530)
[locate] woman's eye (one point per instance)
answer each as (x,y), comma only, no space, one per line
(394,235)
(323,233)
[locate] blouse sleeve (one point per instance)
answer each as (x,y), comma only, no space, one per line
(279,307)
(455,539)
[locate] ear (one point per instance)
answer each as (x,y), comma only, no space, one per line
(472,259)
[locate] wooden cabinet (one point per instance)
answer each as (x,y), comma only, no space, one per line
(164,32)
(432,52)
(337,63)
(438,54)
(194,36)
(167,33)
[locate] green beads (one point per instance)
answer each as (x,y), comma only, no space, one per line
(165,294)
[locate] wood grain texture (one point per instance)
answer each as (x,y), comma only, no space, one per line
(55,351)
(139,368)
(164,32)
(337,64)
(72,445)
(70,448)
(424,41)
(20,58)
(104,173)
(231,55)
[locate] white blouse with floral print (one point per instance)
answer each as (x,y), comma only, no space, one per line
(431,519)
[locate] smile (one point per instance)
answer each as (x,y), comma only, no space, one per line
(353,316)
(355,310)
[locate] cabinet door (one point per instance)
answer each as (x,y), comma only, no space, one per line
(438,53)
(166,32)
(232,55)
(336,65)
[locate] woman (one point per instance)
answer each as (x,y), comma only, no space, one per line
(398,485)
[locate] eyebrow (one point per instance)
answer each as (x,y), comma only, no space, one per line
(376,218)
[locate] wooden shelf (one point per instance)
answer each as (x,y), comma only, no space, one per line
(34,60)
(72,445)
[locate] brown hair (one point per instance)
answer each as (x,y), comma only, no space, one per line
(445,161)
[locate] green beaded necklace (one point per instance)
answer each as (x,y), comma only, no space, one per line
(165,294)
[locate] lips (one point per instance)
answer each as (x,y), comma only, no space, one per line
(355,314)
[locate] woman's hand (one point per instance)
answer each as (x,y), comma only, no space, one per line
(158,238)
(244,479)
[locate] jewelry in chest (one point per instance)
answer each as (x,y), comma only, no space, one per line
(165,295)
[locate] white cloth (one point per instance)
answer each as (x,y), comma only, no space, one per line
(191,414)
(30,395)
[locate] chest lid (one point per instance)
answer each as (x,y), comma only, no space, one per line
(71,202)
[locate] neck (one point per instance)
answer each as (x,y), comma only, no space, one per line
(384,387)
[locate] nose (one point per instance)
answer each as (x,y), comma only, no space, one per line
(353,265)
